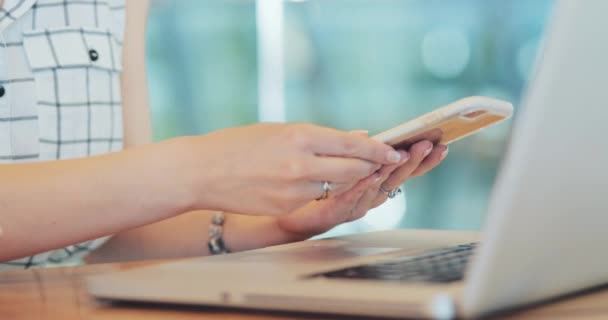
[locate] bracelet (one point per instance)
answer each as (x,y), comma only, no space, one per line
(216,242)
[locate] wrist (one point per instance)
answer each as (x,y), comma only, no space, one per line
(242,232)
(287,232)
(194,176)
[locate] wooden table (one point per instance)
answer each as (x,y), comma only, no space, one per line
(58,294)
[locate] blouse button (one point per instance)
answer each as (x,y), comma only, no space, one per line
(93,55)
(2,91)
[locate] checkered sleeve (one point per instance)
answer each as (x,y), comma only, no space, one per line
(60,65)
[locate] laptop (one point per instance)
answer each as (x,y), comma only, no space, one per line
(545,235)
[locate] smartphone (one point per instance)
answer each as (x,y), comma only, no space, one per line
(449,123)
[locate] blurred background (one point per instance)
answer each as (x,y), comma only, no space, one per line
(349,64)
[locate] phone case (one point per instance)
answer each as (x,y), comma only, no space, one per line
(450,123)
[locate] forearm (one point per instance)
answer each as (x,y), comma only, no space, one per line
(52,204)
(186,236)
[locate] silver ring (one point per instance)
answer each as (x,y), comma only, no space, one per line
(326,188)
(391,193)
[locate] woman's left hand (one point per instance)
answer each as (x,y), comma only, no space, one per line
(320,216)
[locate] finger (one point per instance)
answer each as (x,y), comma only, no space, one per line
(340,188)
(332,142)
(385,173)
(314,190)
(327,213)
(382,174)
(341,208)
(418,152)
(381,196)
(380,199)
(432,160)
(387,170)
(343,165)
(340,170)
(362,206)
(367,200)
(362,186)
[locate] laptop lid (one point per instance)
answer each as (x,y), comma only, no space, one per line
(548,219)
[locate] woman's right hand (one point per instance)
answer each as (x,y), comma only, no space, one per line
(272,169)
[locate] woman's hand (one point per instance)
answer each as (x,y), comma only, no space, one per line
(245,232)
(320,216)
(273,169)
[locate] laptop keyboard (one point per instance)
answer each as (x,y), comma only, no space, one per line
(437,266)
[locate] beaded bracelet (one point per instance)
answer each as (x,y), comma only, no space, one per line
(216,242)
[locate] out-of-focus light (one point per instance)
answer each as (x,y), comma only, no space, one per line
(445,52)
(386,216)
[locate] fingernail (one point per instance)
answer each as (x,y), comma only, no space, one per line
(393,156)
(428,151)
(444,153)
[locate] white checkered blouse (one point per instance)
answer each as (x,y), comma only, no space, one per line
(60,63)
